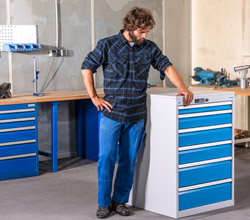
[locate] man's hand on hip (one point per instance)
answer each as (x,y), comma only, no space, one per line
(100,103)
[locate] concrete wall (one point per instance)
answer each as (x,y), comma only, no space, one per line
(221,39)
(76,37)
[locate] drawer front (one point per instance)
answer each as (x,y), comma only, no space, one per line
(17,124)
(17,106)
(204,173)
(18,149)
(17,136)
(204,109)
(204,121)
(20,165)
(204,196)
(206,153)
(8,116)
(207,136)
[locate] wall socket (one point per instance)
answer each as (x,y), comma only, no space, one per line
(58,53)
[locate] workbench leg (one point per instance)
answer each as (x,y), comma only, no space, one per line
(54,136)
(79,127)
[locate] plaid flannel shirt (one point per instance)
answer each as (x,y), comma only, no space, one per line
(125,70)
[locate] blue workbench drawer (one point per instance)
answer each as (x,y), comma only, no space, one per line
(205,136)
(205,121)
(17,136)
(7,116)
(206,153)
(19,166)
(205,196)
(18,106)
(17,124)
(18,149)
(204,109)
(204,173)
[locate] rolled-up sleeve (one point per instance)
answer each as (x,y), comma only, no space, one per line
(160,61)
(95,58)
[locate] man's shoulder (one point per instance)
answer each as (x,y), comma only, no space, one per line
(109,39)
(151,43)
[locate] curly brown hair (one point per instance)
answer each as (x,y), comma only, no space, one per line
(138,18)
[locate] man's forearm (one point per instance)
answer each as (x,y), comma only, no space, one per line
(88,79)
(175,78)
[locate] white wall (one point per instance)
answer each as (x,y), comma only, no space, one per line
(221,39)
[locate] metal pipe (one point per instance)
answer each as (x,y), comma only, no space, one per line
(57,25)
(35,75)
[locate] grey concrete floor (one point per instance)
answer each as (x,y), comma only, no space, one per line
(71,194)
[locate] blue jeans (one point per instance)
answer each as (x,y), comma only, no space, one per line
(126,139)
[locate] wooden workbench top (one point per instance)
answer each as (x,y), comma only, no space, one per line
(236,89)
(49,97)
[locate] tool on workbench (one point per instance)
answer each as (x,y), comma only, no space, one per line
(209,77)
(244,81)
(36,93)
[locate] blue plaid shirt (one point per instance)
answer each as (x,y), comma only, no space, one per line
(125,70)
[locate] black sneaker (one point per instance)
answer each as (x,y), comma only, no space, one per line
(103,212)
(120,208)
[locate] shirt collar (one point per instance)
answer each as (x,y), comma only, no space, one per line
(122,38)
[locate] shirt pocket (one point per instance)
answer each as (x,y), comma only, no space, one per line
(142,64)
(118,64)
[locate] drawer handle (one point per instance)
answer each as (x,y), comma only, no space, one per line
(18,156)
(205,145)
(18,129)
(205,105)
(205,185)
(17,142)
(204,114)
(204,162)
(17,120)
(204,128)
(18,110)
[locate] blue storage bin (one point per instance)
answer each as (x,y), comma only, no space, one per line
(205,121)
(204,173)
(204,196)
(204,109)
(206,136)
(10,47)
(206,153)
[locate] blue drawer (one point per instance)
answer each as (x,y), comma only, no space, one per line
(205,109)
(18,149)
(17,136)
(17,115)
(204,196)
(204,121)
(17,106)
(204,173)
(206,153)
(17,166)
(207,136)
(17,124)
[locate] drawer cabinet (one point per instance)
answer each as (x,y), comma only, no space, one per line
(18,141)
(187,164)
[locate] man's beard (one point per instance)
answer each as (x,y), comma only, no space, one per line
(133,37)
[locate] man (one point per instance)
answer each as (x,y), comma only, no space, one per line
(126,60)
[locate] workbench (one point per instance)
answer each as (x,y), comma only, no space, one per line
(238,91)
(27,104)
